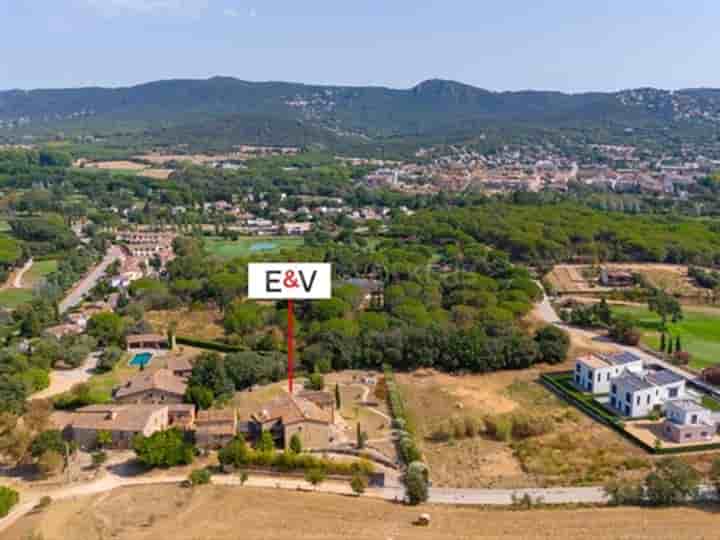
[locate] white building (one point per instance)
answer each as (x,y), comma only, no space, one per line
(593,372)
(637,395)
(687,421)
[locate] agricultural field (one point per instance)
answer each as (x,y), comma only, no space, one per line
(583,279)
(218,513)
(243,246)
(699,332)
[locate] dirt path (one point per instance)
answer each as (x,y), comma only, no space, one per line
(62,380)
(14,280)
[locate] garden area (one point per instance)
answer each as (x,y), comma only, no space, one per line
(243,246)
(698,330)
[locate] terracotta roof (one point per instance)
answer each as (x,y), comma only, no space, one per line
(162,379)
(179,363)
(318,397)
(114,417)
(291,410)
(142,338)
(212,416)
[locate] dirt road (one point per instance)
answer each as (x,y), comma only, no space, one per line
(62,380)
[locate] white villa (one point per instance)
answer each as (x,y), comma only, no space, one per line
(593,372)
(639,394)
(688,421)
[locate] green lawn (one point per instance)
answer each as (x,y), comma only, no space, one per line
(699,333)
(38,271)
(12,298)
(247,245)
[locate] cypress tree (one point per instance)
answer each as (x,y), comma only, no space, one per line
(338,403)
(678,346)
(662,342)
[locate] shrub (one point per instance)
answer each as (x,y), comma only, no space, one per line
(441,433)
(8,498)
(98,458)
(623,492)
(553,344)
(416,483)
(359,483)
(296,444)
(673,481)
(50,463)
(43,503)
(199,477)
(472,427)
(315,476)
(164,449)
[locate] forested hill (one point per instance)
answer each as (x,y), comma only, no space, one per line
(431,107)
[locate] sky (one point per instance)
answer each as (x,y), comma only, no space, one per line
(572,46)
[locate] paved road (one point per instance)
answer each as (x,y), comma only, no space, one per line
(75,296)
(437,495)
(62,380)
(546,311)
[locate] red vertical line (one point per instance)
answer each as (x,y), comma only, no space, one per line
(291,344)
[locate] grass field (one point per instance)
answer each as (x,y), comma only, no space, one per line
(38,271)
(219,513)
(248,245)
(699,332)
(12,298)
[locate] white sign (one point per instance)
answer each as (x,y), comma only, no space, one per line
(289,281)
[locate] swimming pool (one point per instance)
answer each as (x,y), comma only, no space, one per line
(141,359)
(263,246)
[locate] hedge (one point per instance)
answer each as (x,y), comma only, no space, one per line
(209,345)
(556,382)
(8,498)
(407,447)
(239,454)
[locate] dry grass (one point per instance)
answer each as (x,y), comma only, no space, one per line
(157,174)
(222,513)
(116,165)
(577,450)
(201,324)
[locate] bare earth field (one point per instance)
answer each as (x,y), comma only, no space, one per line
(569,279)
(200,324)
(222,513)
(576,451)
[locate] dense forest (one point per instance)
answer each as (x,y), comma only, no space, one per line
(563,232)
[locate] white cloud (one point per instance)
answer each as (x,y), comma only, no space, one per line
(231,12)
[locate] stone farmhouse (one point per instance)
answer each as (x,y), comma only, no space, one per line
(157,387)
(288,415)
(122,422)
(215,428)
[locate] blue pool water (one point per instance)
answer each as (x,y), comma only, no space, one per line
(263,246)
(141,359)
